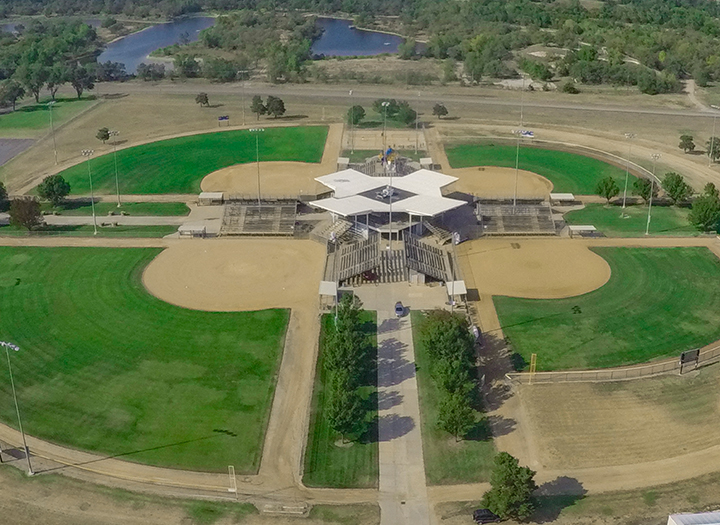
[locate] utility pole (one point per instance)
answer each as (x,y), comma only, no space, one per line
(655,157)
(87,153)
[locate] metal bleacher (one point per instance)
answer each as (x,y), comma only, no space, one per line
(272,219)
(426,258)
(525,218)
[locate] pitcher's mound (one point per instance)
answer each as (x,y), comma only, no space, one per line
(277,179)
(491,182)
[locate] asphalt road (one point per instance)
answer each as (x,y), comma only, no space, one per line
(12,147)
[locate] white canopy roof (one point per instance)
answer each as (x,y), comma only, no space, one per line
(456,288)
(328,288)
(424,185)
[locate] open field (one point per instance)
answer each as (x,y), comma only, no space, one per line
(349,466)
(178,165)
(84,208)
(33,120)
(446,460)
(87,230)
(665,220)
(669,299)
(568,172)
(107,367)
(581,425)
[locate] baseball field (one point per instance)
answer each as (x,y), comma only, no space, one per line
(178,165)
(657,302)
(105,366)
(568,172)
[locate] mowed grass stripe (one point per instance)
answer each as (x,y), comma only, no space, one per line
(446,460)
(179,165)
(326,464)
(569,172)
(106,367)
(657,303)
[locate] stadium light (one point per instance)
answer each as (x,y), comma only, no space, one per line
(352,123)
(628,137)
(385,105)
(256,132)
(52,128)
(8,347)
(712,140)
(115,133)
(655,157)
(87,153)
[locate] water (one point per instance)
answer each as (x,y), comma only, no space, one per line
(133,50)
(340,39)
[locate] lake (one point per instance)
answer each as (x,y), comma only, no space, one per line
(133,50)
(340,38)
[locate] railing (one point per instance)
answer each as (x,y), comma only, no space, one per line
(708,355)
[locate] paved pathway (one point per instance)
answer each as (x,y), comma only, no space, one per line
(403,492)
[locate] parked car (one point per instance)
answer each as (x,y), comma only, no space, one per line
(485,516)
(399,309)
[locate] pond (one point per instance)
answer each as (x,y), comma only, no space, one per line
(341,38)
(133,50)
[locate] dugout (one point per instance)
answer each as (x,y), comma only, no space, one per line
(192,229)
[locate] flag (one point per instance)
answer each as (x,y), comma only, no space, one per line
(526,133)
(224,117)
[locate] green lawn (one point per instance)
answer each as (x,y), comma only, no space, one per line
(179,165)
(569,172)
(359,155)
(104,366)
(447,461)
(657,303)
(328,465)
(37,116)
(131,208)
(665,220)
(86,230)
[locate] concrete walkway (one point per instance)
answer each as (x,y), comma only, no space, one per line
(403,491)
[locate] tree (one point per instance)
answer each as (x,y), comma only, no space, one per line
(54,189)
(391,109)
(57,76)
(257,106)
(4,203)
(676,188)
(355,115)
(275,106)
(455,415)
(10,92)
(711,191)
(713,148)
(686,143)
(406,50)
(103,134)
(81,79)
(570,87)
(705,213)
(607,188)
(643,187)
(405,113)
(150,72)
(25,213)
(439,110)
(202,99)
(510,495)
(32,75)
(345,412)
(187,66)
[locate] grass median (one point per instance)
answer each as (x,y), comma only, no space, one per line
(87,230)
(106,367)
(613,221)
(327,463)
(135,209)
(657,303)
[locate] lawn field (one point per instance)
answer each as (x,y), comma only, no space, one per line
(657,303)
(178,165)
(447,461)
(569,172)
(87,230)
(131,208)
(106,367)
(665,220)
(34,120)
(326,464)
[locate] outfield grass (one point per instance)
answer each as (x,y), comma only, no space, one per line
(447,461)
(87,230)
(37,116)
(179,165)
(569,172)
(327,465)
(106,367)
(359,155)
(131,208)
(657,303)
(665,220)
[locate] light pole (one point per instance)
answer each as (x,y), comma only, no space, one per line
(517,167)
(8,347)
(628,138)
(115,133)
(417,137)
(352,123)
(52,128)
(87,153)
(655,157)
(712,141)
(256,132)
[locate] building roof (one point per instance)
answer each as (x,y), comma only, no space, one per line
(419,193)
(703,518)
